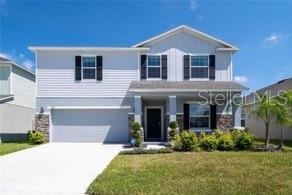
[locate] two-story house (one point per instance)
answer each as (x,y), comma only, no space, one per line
(17,100)
(94,94)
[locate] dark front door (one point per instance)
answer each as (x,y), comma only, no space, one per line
(153,124)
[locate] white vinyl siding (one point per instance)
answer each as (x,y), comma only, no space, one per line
(23,88)
(56,73)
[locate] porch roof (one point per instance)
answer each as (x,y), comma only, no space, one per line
(185,86)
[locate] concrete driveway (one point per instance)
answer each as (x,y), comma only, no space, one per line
(55,168)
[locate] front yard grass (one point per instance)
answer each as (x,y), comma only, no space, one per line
(197,173)
(9,147)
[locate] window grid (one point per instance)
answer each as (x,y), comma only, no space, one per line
(88,68)
(200,118)
(153,67)
(199,67)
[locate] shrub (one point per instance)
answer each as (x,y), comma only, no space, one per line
(176,142)
(189,141)
(173,126)
(36,137)
(136,134)
(147,151)
(242,139)
(209,143)
(225,142)
(218,133)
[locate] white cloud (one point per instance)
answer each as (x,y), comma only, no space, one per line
(20,59)
(193,5)
(274,39)
(241,79)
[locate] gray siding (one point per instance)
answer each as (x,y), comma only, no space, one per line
(182,43)
(16,119)
(56,75)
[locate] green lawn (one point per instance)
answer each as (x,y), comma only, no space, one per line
(197,173)
(9,147)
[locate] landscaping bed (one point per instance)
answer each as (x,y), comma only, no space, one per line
(197,173)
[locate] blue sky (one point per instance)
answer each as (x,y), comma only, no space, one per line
(261,29)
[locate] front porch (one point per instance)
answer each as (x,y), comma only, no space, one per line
(191,112)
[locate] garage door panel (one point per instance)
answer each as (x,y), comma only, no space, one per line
(90,125)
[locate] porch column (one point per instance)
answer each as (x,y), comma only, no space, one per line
(172,108)
(138,109)
(237,116)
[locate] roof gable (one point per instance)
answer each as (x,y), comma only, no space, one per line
(222,45)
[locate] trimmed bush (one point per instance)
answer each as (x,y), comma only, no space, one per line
(242,140)
(136,134)
(225,142)
(173,125)
(176,142)
(188,141)
(146,151)
(36,137)
(209,143)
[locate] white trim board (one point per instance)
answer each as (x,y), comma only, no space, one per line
(88,107)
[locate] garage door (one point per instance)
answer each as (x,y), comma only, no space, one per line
(110,126)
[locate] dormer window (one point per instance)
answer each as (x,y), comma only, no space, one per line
(88,67)
(199,67)
(154,67)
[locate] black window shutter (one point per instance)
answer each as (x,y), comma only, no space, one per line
(186,67)
(186,116)
(212,67)
(164,66)
(213,115)
(77,68)
(143,66)
(99,68)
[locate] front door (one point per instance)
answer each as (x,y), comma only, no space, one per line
(153,122)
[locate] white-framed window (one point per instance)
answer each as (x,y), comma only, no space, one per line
(154,67)
(199,67)
(88,67)
(199,116)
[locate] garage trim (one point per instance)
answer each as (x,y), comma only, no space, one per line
(88,107)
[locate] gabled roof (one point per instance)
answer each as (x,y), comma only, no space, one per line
(45,48)
(192,31)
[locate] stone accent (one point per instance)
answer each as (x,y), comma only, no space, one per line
(42,123)
(224,122)
(130,122)
(180,121)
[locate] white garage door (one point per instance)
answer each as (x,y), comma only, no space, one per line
(109,126)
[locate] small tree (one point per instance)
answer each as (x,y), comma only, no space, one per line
(173,130)
(136,134)
(283,112)
(265,110)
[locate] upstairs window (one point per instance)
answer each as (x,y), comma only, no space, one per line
(199,116)
(199,67)
(153,66)
(88,67)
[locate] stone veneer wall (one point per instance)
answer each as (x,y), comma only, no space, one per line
(42,123)
(180,121)
(224,122)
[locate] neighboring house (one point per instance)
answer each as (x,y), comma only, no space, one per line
(257,126)
(94,94)
(17,100)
